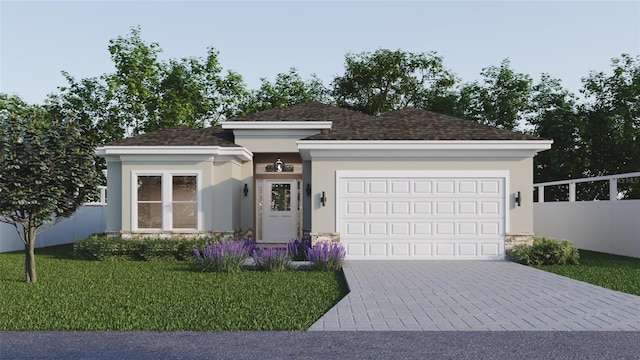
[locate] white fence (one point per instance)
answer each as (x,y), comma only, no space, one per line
(90,218)
(610,226)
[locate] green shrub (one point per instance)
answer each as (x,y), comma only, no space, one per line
(102,247)
(546,251)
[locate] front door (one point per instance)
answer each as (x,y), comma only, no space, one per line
(279,210)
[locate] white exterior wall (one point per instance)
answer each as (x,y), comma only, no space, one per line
(323,178)
(87,220)
(271,141)
(605,226)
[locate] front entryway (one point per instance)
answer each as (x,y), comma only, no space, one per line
(278,208)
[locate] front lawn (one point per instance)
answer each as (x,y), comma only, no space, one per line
(614,272)
(158,295)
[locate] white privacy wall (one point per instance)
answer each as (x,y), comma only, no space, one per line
(89,219)
(605,226)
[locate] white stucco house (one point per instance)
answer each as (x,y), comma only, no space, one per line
(410,184)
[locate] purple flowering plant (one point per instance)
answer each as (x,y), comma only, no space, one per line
(271,258)
(223,256)
(298,249)
(326,256)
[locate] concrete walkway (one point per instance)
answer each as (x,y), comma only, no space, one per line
(473,296)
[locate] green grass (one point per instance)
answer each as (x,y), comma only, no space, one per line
(614,272)
(157,295)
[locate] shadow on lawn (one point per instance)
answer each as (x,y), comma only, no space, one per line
(604,260)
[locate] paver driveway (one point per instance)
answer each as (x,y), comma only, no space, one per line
(473,295)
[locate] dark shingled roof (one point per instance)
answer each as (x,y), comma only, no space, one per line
(415,124)
(180,136)
(403,124)
(308,111)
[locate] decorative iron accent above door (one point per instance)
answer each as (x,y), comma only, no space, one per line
(278,167)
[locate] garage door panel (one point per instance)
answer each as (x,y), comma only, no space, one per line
(468,249)
(400,228)
(401,187)
(490,187)
(402,249)
(444,228)
(422,187)
(355,186)
(422,228)
(378,208)
(445,187)
(378,249)
(354,229)
(467,228)
(378,187)
(467,187)
(445,208)
(402,217)
(400,207)
(378,228)
(355,208)
(423,249)
(422,207)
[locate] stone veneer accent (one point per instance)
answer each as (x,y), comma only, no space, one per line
(237,234)
(324,237)
(511,240)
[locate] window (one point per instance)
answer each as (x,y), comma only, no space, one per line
(165,201)
(184,205)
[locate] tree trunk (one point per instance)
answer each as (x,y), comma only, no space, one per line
(30,257)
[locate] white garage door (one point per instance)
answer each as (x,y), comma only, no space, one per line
(421,215)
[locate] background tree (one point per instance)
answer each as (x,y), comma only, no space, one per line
(501,99)
(145,94)
(288,89)
(612,122)
(385,80)
(554,116)
(47,169)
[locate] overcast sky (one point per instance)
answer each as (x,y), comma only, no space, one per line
(262,38)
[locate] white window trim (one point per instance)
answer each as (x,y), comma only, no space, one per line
(167,200)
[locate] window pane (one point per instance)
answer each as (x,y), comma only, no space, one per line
(149,188)
(281,197)
(184,188)
(150,216)
(184,216)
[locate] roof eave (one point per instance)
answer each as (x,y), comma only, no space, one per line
(240,152)
(421,148)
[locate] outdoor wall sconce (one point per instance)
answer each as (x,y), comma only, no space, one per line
(518,199)
(279,165)
(308,189)
(245,191)
(323,199)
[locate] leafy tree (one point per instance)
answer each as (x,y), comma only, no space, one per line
(288,89)
(47,169)
(554,116)
(612,117)
(145,94)
(502,99)
(385,80)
